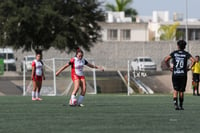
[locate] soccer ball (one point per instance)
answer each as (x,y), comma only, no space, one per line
(73,102)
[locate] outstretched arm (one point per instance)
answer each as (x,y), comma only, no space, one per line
(96,67)
(61,69)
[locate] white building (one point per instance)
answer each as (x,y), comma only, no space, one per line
(117,17)
(120,28)
(160,18)
(124,31)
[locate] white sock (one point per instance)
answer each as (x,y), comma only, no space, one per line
(80,99)
(37,94)
(73,96)
(33,94)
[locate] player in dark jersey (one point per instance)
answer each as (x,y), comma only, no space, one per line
(77,63)
(179,72)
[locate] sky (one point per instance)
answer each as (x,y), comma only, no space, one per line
(146,7)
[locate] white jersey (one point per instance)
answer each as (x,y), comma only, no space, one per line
(77,66)
(38,67)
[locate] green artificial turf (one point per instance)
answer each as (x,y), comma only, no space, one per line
(101,114)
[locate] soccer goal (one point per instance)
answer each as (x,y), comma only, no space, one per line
(62,84)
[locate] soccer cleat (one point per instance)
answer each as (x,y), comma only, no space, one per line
(33,99)
(39,99)
(176,107)
(81,105)
(181,108)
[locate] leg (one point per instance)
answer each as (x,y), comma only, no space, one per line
(181,92)
(76,86)
(39,85)
(34,90)
(181,99)
(37,89)
(175,82)
(197,88)
(198,84)
(196,80)
(193,87)
(198,75)
(175,99)
(83,87)
(83,91)
(72,101)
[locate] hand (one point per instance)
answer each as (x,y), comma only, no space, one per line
(57,73)
(101,68)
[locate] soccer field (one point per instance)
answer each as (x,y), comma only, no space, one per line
(101,114)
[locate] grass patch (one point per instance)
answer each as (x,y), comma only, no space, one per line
(102,113)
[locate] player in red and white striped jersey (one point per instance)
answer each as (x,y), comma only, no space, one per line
(77,64)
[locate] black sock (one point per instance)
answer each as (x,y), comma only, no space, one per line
(181,101)
(193,87)
(175,101)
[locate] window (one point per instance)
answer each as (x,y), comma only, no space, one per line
(125,34)
(145,60)
(198,35)
(6,56)
(10,56)
(112,34)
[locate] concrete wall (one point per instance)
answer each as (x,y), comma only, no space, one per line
(114,55)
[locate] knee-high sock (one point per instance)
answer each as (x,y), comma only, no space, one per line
(80,100)
(181,101)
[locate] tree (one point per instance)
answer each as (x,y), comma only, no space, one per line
(169,32)
(123,5)
(41,24)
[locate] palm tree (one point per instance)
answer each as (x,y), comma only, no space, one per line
(123,5)
(169,32)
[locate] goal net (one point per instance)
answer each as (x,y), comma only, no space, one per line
(62,84)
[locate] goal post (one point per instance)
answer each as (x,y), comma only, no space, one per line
(128,76)
(62,84)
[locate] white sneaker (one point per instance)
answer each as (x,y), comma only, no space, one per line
(81,105)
